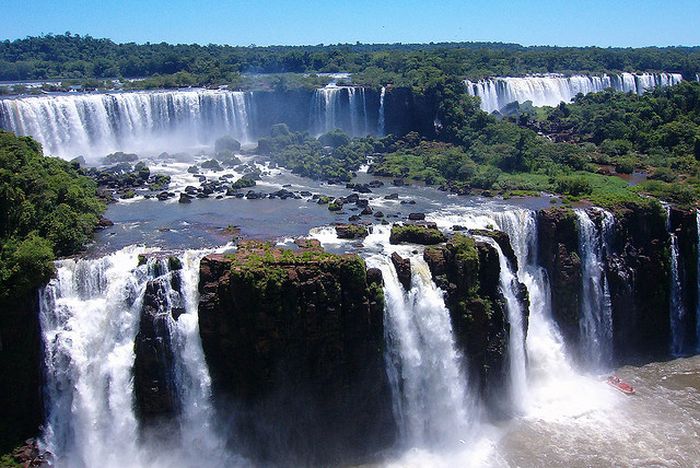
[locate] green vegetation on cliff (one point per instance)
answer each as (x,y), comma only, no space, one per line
(47,209)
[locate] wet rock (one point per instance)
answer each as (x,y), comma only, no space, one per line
(119,157)
(425,234)
(301,331)
(416,216)
(212,165)
(392,196)
(352,198)
(403,270)
(377,214)
(351,231)
(184,198)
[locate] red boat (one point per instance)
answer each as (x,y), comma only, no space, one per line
(624,387)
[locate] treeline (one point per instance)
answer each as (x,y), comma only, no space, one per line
(71,56)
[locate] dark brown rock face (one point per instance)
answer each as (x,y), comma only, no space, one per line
(21,403)
(638,272)
(559,255)
(153,381)
(294,342)
(403,270)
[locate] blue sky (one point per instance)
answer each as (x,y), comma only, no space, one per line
(529,22)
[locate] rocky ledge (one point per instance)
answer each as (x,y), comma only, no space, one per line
(295,339)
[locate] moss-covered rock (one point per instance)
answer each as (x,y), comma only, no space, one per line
(425,234)
(295,339)
(469,273)
(403,270)
(351,231)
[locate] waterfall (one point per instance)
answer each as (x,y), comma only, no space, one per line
(424,367)
(96,124)
(551,89)
(677,310)
(325,104)
(339,107)
(516,343)
(359,122)
(596,307)
(381,124)
(89,316)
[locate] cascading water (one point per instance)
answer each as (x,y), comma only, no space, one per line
(381,124)
(93,125)
(324,107)
(516,344)
(359,121)
(431,397)
(549,368)
(677,310)
(343,107)
(89,316)
(596,306)
(550,90)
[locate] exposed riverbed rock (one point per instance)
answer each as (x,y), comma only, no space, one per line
(294,341)
(403,270)
(424,233)
(351,231)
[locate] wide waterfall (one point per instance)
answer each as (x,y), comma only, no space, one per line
(596,306)
(340,107)
(90,316)
(550,90)
(93,125)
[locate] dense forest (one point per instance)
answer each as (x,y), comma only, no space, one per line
(47,209)
(72,56)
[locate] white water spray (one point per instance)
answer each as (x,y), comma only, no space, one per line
(94,125)
(89,317)
(596,307)
(431,397)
